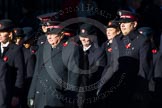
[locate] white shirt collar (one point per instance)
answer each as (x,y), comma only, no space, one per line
(4,45)
(86,48)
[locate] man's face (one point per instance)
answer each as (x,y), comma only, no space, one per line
(44,28)
(111,33)
(53,39)
(85,41)
(127,27)
(4,37)
(18,40)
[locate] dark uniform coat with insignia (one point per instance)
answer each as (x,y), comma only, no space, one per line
(3,84)
(157,78)
(130,67)
(30,60)
(87,69)
(47,89)
(108,49)
(14,58)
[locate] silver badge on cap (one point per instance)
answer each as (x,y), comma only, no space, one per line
(120,13)
(83,30)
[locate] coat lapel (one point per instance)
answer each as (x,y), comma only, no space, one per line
(6,50)
(48,54)
(48,63)
(91,55)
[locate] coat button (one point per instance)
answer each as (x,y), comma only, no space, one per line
(37,92)
(46,80)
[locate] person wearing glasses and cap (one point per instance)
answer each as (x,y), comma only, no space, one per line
(45,20)
(13,56)
(45,89)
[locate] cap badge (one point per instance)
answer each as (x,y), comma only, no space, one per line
(15,31)
(110,23)
(83,30)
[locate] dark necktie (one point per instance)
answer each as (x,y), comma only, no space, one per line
(86,61)
(4,51)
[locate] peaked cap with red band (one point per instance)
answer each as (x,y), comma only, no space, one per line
(54,27)
(48,17)
(127,16)
(6,25)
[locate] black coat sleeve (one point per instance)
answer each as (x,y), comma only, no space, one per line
(32,89)
(3,88)
(144,74)
(19,65)
(30,66)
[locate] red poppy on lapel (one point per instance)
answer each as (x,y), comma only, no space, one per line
(109,49)
(128,45)
(5,58)
(65,44)
(33,51)
(154,51)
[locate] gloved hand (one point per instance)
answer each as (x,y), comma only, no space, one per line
(30,103)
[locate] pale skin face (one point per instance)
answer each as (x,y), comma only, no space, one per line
(111,33)
(44,28)
(27,45)
(5,36)
(126,28)
(85,41)
(18,41)
(54,39)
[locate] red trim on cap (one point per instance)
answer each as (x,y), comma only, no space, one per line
(44,19)
(68,34)
(57,26)
(127,16)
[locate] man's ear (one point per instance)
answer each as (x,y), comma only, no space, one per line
(118,32)
(10,35)
(135,24)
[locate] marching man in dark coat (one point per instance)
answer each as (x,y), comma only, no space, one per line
(3,84)
(89,61)
(21,35)
(133,55)
(46,89)
(130,65)
(13,56)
